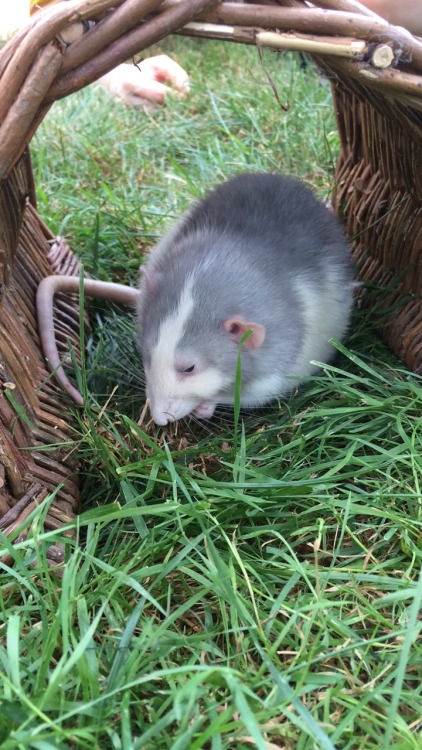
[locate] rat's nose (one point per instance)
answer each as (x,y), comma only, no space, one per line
(162,419)
(162,414)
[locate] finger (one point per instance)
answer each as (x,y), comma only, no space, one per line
(163,68)
(133,87)
(146,89)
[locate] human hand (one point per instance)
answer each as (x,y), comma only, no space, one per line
(142,86)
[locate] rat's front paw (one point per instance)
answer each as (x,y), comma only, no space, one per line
(205,410)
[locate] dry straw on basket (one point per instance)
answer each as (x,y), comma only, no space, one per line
(376,75)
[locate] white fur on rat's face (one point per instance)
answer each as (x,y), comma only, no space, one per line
(180,384)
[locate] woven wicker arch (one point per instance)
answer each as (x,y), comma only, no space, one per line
(376,76)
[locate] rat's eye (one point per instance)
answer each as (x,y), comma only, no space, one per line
(183,366)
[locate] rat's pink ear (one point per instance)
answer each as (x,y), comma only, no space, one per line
(237,328)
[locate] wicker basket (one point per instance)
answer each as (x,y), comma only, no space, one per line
(376,75)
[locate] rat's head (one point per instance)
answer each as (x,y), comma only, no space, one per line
(189,351)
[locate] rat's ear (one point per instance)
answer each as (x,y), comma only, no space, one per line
(237,328)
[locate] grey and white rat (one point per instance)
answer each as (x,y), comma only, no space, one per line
(259,253)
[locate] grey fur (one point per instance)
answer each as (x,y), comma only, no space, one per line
(260,246)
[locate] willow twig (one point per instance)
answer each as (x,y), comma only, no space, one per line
(350,48)
(17,511)
(394,79)
(20,115)
(109,29)
(349,6)
(18,55)
(404,87)
(128,45)
(382,56)
(315,21)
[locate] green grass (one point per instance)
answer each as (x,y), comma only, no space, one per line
(241,583)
